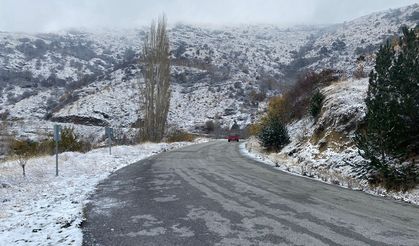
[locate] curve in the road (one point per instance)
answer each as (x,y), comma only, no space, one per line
(209,194)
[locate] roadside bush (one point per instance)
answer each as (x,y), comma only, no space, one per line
(401,177)
(302,98)
(316,103)
(254,129)
(209,126)
(121,137)
(178,135)
(24,148)
(46,147)
(273,135)
(278,107)
(70,142)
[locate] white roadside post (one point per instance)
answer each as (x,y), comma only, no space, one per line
(57,138)
(109,133)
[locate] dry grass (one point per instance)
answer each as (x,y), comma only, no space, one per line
(180,136)
(337,141)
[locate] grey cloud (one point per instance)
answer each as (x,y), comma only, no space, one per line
(52,15)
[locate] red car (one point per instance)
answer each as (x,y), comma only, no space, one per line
(233,138)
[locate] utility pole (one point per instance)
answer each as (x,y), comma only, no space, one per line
(57,138)
(109,134)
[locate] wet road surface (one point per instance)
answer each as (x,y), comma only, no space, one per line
(209,194)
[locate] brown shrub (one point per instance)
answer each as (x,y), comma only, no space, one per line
(178,135)
(69,142)
(294,103)
(24,148)
(256,97)
(254,129)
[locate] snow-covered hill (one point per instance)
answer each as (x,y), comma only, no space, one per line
(341,45)
(218,73)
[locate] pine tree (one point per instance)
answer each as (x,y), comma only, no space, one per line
(406,75)
(390,136)
(316,103)
(273,135)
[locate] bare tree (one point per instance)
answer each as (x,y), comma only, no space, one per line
(22,160)
(156,90)
(22,151)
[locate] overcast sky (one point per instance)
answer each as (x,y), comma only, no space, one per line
(53,15)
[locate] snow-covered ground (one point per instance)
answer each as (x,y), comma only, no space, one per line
(41,209)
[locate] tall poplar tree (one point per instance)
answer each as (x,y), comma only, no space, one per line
(156,73)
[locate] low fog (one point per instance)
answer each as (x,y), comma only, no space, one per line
(53,15)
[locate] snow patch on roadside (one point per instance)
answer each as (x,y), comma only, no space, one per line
(42,209)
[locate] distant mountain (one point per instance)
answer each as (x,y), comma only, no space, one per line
(219,73)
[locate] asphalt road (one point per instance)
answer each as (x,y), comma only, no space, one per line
(208,194)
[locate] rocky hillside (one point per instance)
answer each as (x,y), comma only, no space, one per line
(222,74)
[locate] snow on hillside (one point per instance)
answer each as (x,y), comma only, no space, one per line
(42,209)
(324,149)
(91,78)
(115,102)
(340,46)
(256,47)
(193,109)
(223,57)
